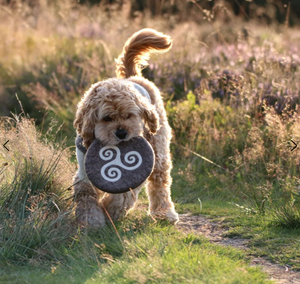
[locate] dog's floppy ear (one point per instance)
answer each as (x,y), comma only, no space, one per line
(151,119)
(85,121)
(150,115)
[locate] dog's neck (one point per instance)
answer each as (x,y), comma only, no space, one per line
(139,88)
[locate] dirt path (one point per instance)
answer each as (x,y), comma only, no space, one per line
(214,231)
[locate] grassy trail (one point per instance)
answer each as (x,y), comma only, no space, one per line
(149,253)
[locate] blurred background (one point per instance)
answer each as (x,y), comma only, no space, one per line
(267,11)
(234,64)
(52,51)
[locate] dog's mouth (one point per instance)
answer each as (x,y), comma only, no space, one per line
(114,139)
(113,135)
(118,140)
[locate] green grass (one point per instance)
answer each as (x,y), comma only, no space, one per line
(40,242)
(277,244)
(269,235)
(272,233)
(149,253)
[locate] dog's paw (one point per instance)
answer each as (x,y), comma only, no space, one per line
(91,216)
(169,215)
(172,216)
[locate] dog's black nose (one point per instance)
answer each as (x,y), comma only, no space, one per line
(121,133)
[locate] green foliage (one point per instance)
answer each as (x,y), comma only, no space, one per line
(288,215)
(151,252)
(207,127)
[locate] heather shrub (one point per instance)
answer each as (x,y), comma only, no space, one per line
(239,66)
(256,151)
(207,127)
(268,146)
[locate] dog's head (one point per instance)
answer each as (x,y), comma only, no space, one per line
(113,111)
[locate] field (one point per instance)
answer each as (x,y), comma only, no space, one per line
(231,91)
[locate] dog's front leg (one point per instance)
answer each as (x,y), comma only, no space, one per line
(158,190)
(118,205)
(88,210)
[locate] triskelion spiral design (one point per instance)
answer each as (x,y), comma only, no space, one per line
(114,173)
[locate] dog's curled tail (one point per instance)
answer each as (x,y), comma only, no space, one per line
(137,50)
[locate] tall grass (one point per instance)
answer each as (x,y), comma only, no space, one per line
(37,228)
(35,206)
(258,164)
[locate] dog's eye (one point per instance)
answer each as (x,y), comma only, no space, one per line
(128,116)
(107,118)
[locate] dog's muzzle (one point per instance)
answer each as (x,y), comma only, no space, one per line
(121,133)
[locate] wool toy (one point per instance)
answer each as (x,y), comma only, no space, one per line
(118,168)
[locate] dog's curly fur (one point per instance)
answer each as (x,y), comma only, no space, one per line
(111,105)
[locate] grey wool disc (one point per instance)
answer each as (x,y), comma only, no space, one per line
(79,144)
(119,168)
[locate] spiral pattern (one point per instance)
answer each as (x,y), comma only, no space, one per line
(113,173)
(131,157)
(106,154)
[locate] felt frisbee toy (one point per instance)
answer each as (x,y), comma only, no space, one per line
(118,168)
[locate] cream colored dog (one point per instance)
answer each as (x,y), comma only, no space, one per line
(119,109)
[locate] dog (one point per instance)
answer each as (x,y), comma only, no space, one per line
(119,109)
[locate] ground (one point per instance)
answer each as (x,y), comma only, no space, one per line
(216,233)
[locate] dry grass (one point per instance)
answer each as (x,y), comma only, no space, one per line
(36,207)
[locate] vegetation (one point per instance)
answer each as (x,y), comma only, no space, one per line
(231,92)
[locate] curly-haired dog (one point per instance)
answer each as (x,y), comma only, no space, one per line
(119,109)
